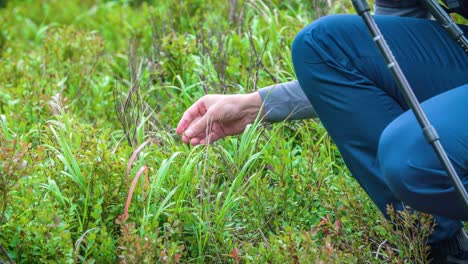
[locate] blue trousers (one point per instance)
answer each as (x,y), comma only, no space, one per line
(346,79)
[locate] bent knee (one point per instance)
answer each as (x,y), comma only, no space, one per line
(395,157)
(329,38)
(312,43)
(326,49)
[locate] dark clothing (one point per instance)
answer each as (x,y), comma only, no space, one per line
(346,79)
(457,6)
(397,3)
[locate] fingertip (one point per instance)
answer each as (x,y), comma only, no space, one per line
(195,141)
(181,127)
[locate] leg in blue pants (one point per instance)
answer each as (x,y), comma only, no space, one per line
(344,76)
(410,166)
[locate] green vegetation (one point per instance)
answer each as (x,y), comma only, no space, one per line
(91,169)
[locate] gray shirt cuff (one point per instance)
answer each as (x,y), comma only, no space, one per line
(286,101)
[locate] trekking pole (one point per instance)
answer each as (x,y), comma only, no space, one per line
(447,22)
(362,8)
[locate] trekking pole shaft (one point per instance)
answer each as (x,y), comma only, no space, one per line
(429,132)
(447,22)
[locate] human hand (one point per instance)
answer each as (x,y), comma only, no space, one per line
(214,117)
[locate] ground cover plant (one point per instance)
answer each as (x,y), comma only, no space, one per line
(91,170)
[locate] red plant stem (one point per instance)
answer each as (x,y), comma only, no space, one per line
(125,215)
(134,155)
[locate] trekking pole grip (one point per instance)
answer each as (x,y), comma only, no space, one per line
(361,6)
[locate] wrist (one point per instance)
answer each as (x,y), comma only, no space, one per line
(253,104)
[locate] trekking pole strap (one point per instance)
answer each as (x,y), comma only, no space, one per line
(447,22)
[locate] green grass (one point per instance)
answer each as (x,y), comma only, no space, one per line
(85,83)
